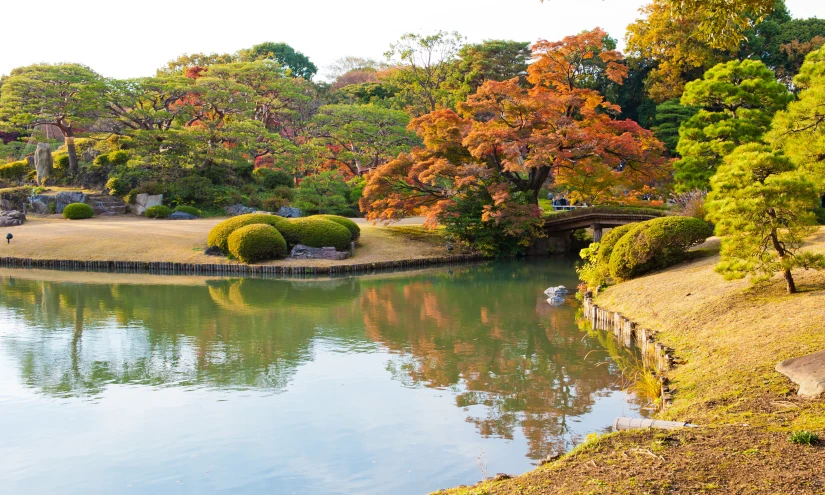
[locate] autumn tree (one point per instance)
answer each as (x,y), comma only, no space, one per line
(737,101)
(66,96)
(179,66)
(506,141)
(424,65)
(762,208)
(359,137)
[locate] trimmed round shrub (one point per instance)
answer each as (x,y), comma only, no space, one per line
(609,241)
(61,161)
(118,186)
(101,161)
(655,244)
(353,227)
(188,209)
(219,235)
(158,211)
(78,211)
(256,242)
(319,232)
(119,157)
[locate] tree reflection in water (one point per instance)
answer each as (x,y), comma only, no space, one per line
(485,333)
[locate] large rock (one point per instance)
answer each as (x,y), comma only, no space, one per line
(182,215)
(326,253)
(289,212)
(40,207)
(65,198)
(43,162)
(238,209)
(807,371)
(144,201)
(11,218)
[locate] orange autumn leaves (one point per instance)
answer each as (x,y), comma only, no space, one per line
(509,140)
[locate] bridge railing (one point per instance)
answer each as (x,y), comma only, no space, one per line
(569,207)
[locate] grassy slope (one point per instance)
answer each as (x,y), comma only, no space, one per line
(141,239)
(727,336)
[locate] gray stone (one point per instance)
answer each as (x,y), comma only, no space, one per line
(43,162)
(238,209)
(144,201)
(11,218)
(807,371)
(289,212)
(325,253)
(213,251)
(182,215)
(40,207)
(63,199)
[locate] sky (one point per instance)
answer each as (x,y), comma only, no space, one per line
(122,42)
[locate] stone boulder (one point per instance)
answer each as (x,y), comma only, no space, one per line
(63,199)
(806,371)
(182,215)
(213,251)
(11,218)
(39,207)
(326,253)
(144,201)
(238,209)
(289,212)
(43,162)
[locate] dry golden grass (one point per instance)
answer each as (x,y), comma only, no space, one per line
(142,239)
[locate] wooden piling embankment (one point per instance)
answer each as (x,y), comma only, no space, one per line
(654,354)
(234,269)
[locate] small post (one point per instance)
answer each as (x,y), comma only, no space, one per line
(597,232)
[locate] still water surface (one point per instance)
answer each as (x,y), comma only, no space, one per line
(397,383)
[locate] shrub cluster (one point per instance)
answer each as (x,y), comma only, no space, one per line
(14,170)
(78,211)
(188,209)
(655,244)
(353,227)
(158,211)
(256,242)
(117,186)
(319,232)
(219,235)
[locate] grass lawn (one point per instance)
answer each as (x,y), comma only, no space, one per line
(728,337)
(130,238)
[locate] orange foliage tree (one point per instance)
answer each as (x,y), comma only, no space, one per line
(505,142)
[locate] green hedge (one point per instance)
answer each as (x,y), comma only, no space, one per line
(319,232)
(158,211)
(78,211)
(353,227)
(655,244)
(189,209)
(256,242)
(219,235)
(609,241)
(14,170)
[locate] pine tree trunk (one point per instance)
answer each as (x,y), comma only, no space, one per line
(70,147)
(789,281)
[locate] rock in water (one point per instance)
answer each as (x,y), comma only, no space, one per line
(182,215)
(560,291)
(43,163)
(555,301)
(807,371)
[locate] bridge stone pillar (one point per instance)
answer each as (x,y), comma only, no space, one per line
(597,232)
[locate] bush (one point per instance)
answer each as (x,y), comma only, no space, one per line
(193,189)
(14,170)
(274,203)
(820,215)
(353,227)
(78,211)
(609,241)
(118,186)
(219,235)
(118,157)
(101,161)
(803,437)
(270,179)
(319,232)
(655,244)
(61,160)
(159,211)
(188,209)
(256,242)
(131,195)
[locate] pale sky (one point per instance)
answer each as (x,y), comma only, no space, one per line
(132,39)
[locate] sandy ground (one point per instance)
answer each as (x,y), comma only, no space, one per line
(140,239)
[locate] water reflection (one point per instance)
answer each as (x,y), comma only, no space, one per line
(484,334)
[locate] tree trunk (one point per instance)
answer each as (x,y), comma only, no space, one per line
(70,147)
(789,281)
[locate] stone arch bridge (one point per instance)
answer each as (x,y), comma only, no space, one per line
(559,227)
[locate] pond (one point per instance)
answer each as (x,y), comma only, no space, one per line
(399,383)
